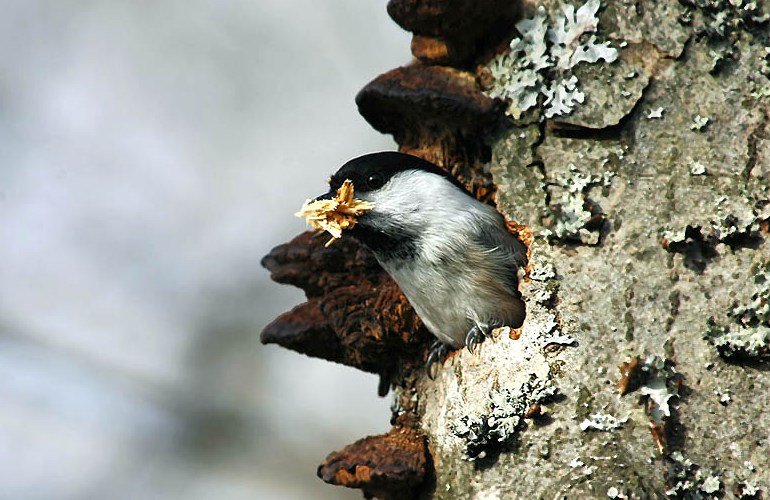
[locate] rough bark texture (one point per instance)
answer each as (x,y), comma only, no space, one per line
(660,293)
(632,293)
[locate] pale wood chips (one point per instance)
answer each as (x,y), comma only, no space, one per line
(334,215)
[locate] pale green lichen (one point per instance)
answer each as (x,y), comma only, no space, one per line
(545,286)
(660,386)
(558,338)
(656,113)
(734,226)
(690,481)
(497,428)
(541,61)
(543,272)
(658,382)
(748,489)
(602,422)
(748,332)
(699,123)
(573,216)
(722,23)
(697,168)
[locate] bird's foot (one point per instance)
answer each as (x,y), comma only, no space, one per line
(476,335)
(438,352)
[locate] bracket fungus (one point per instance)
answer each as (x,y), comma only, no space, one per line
(386,466)
(355,313)
(454,33)
(434,105)
(437,113)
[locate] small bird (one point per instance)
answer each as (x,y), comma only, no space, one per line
(450,254)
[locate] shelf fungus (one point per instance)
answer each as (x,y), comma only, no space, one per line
(336,214)
(454,33)
(421,103)
(387,466)
(355,313)
(439,114)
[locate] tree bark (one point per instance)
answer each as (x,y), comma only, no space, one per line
(677,249)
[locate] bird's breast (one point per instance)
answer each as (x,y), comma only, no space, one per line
(451,294)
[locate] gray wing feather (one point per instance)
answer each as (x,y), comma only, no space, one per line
(506,252)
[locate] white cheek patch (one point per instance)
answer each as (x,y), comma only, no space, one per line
(429,207)
(414,198)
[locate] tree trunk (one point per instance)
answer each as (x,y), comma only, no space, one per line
(643,366)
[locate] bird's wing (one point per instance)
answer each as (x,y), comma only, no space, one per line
(505,250)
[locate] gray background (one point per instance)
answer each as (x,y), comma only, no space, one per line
(150,154)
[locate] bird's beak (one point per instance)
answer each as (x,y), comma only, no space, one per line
(326,196)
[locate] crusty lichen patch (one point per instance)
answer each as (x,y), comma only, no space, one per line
(496,428)
(336,214)
(541,62)
(733,224)
(722,23)
(747,333)
(572,215)
(508,375)
(688,480)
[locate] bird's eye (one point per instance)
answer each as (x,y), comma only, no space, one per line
(375,181)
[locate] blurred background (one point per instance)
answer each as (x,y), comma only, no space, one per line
(150,154)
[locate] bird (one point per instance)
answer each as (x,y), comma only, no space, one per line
(450,254)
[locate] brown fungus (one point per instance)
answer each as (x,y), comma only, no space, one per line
(456,33)
(386,466)
(421,103)
(436,113)
(355,314)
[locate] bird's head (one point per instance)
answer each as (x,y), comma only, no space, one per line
(408,194)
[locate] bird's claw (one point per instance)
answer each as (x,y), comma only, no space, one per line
(438,351)
(476,336)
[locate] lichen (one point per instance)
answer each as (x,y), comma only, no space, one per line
(748,489)
(562,97)
(544,272)
(656,113)
(697,168)
(496,429)
(689,480)
(542,60)
(545,286)
(602,422)
(558,338)
(661,385)
(722,23)
(698,244)
(746,334)
(573,216)
(699,123)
